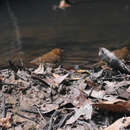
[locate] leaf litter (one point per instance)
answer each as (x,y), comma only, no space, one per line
(52,97)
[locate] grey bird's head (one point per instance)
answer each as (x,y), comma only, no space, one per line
(105,54)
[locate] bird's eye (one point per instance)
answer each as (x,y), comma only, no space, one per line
(102,51)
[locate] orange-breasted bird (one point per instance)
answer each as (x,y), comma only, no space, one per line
(50,57)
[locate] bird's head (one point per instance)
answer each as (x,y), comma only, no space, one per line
(102,52)
(57,51)
(105,54)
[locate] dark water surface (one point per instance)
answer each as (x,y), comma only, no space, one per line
(79,30)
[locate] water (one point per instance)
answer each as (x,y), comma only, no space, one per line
(31,28)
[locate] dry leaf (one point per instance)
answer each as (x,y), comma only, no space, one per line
(77,97)
(6,122)
(78,127)
(119,124)
(55,81)
(56,75)
(111,87)
(83,71)
(49,107)
(50,57)
(76,78)
(39,70)
(18,127)
(11,99)
(115,106)
(96,94)
(124,94)
(90,82)
(96,74)
(60,79)
(85,111)
(128,90)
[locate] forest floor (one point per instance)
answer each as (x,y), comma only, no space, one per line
(54,97)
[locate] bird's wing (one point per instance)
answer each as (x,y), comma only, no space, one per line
(119,65)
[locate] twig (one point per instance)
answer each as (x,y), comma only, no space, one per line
(41,80)
(40,114)
(67,116)
(29,111)
(32,111)
(25,117)
(50,127)
(113,78)
(3,106)
(91,92)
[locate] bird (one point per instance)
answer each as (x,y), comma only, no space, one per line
(122,53)
(113,61)
(64,4)
(51,57)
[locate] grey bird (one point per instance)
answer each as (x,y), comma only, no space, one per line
(113,61)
